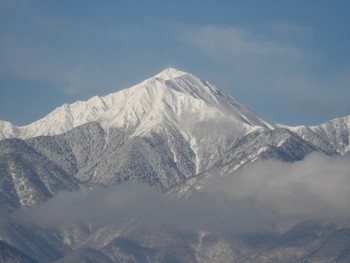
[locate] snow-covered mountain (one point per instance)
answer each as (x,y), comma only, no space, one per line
(170,97)
(333,135)
(177,99)
(171,132)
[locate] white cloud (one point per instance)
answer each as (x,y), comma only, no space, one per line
(74,81)
(266,194)
(274,65)
(315,188)
(286,29)
(237,41)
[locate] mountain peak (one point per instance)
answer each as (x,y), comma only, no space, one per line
(170,73)
(170,97)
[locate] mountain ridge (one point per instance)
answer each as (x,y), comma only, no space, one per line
(171,132)
(178,128)
(176,88)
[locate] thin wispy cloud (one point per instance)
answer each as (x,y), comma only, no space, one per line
(238,41)
(291,30)
(307,106)
(273,65)
(74,81)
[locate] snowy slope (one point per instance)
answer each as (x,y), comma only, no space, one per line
(8,130)
(333,136)
(171,96)
(170,132)
(160,132)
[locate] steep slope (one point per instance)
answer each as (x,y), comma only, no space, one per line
(182,110)
(171,96)
(332,136)
(35,242)
(27,177)
(280,144)
(10,254)
(8,130)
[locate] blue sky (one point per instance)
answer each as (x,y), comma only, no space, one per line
(287,61)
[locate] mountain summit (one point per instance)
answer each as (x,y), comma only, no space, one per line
(170,97)
(170,73)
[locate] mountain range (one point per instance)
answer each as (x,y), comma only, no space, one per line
(171,132)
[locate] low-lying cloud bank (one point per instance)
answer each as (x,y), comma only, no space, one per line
(261,196)
(317,188)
